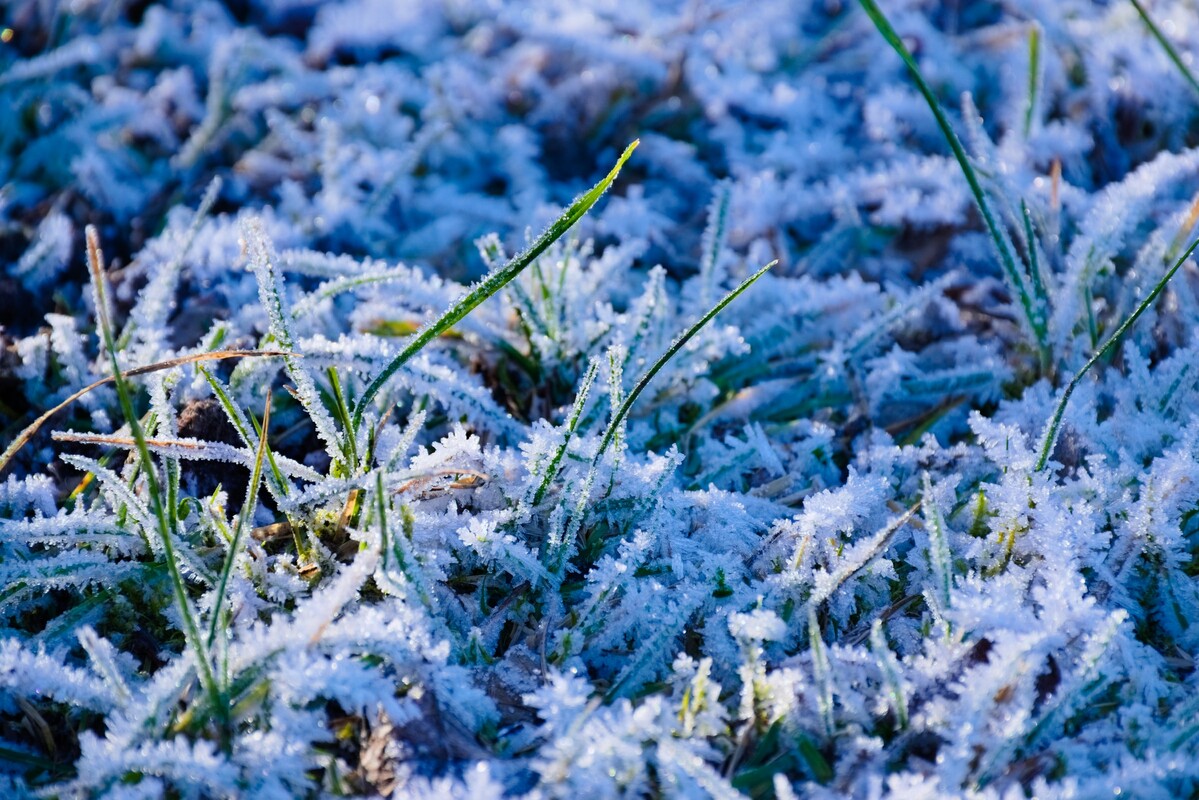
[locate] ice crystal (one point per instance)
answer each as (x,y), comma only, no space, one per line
(357,523)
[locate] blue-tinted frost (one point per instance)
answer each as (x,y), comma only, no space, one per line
(816,558)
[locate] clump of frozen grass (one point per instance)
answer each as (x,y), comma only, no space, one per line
(903,517)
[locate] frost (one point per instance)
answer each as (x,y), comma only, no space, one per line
(817,557)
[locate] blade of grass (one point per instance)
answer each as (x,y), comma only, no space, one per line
(670,352)
(280,485)
(342,410)
(272,295)
(1034,75)
(821,673)
(1173,54)
(889,666)
(551,469)
(1007,257)
(1051,431)
(713,240)
(247,510)
(28,433)
(490,285)
(154,490)
(558,548)
(1040,291)
(396,549)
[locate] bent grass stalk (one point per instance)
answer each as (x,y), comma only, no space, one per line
(154,490)
(31,430)
(490,285)
(1051,430)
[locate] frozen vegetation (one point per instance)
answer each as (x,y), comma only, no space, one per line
(357,520)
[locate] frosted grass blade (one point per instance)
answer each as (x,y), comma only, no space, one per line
(1051,431)
(670,352)
(491,284)
(31,430)
(1034,76)
(247,511)
(556,549)
(1173,54)
(153,488)
(1011,268)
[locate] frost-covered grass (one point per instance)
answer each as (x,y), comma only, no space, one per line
(326,474)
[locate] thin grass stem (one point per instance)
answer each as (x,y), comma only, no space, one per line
(1011,268)
(670,352)
(1051,432)
(1034,76)
(154,490)
(31,430)
(247,512)
(1171,52)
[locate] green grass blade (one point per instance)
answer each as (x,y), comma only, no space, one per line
(153,489)
(713,240)
(572,422)
(821,674)
(247,510)
(1051,431)
(1165,43)
(675,347)
(1040,321)
(889,666)
(339,286)
(491,284)
(1034,75)
(394,546)
(938,547)
(264,261)
(1011,268)
(557,549)
(237,419)
(342,411)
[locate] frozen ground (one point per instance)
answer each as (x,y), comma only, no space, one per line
(832,548)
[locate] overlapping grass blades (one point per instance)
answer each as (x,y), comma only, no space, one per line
(572,422)
(32,428)
(1035,315)
(243,519)
(621,412)
(495,281)
(153,489)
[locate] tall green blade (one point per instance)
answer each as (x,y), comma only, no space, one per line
(1011,268)
(675,347)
